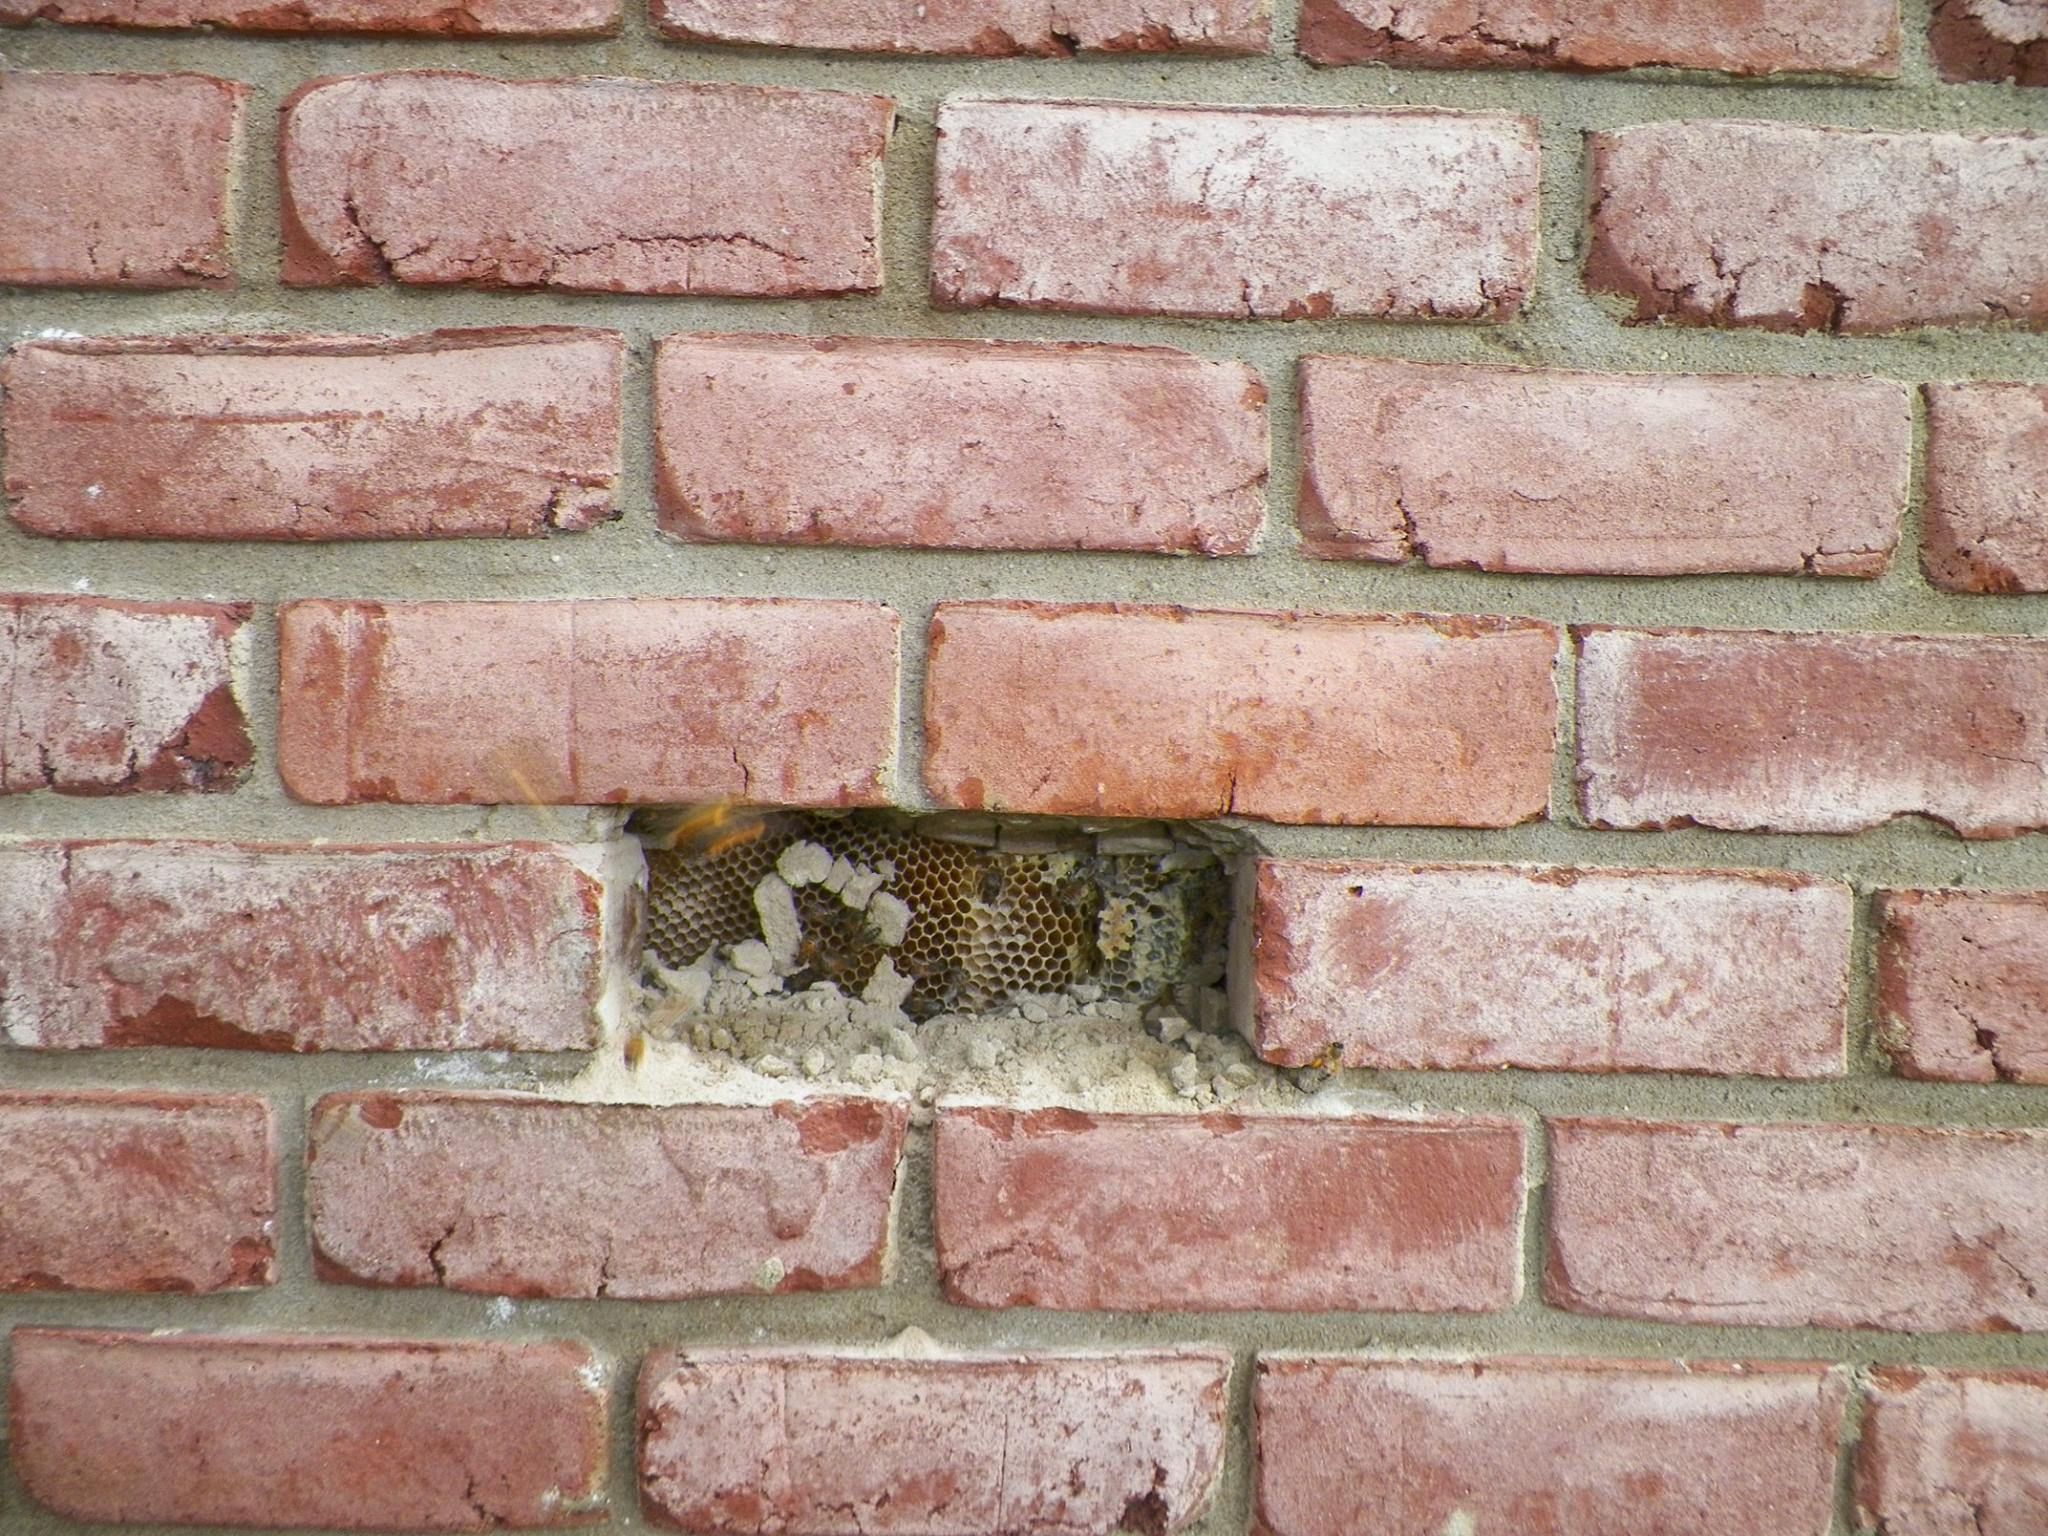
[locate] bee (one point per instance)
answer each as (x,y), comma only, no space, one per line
(636,1049)
(699,831)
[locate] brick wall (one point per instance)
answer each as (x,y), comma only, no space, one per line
(1577,488)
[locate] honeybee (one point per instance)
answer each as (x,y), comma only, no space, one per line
(699,831)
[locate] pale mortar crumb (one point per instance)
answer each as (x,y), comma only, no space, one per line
(888,919)
(753,958)
(860,887)
(775,904)
(885,988)
(837,876)
(803,864)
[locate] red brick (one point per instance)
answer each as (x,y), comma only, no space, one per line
(1218,1212)
(136,1192)
(1954,1453)
(1811,732)
(981,28)
(1584,970)
(1844,37)
(99,697)
(517,1196)
(607,186)
(1962,984)
(116,181)
(503,18)
(1518,469)
(1171,712)
(494,433)
(1987,488)
(1835,1226)
(641,700)
(298,948)
(1238,212)
(958,444)
(1990,40)
(1545,1447)
(757,1442)
(349,1434)
(1797,228)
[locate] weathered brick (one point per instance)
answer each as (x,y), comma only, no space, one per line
(1545,1447)
(958,444)
(981,28)
(1218,1212)
(1517,469)
(519,1196)
(754,1442)
(1795,228)
(99,697)
(136,1192)
(470,18)
(1171,712)
(116,181)
(611,186)
(1987,488)
(495,433)
(1835,1226)
(1954,1453)
(296,948)
(638,700)
(1811,732)
(1584,970)
(1239,212)
(1962,984)
(1844,37)
(1990,40)
(347,1434)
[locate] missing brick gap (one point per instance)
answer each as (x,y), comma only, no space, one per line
(965,956)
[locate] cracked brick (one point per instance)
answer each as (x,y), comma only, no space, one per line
(1987,487)
(1990,40)
(116,181)
(958,445)
(782,701)
(1790,227)
(979,28)
(501,433)
(431,18)
(1113,208)
(614,186)
(1518,469)
(1900,1227)
(1844,37)
(1953,1453)
(1962,984)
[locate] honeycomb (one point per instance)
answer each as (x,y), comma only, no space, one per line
(985,925)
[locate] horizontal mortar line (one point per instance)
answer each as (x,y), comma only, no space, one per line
(864,1320)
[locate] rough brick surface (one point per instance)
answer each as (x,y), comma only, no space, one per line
(1583,970)
(1962,984)
(1514,469)
(635,700)
(1847,37)
(1990,40)
(135,1192)
(958,444)
(1236,212)
(1811,732)
(1836,1226)
(1218,1212)
(1545,1447)
(981,28)
(613,186)
(99,697)
(1954,1453)
(116,181)
(347,1434)
(526,1197)
(761,1442)
(1132,711)
(1987,488)
(469,18)
(1797,228)
(307,949)
(497,432)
